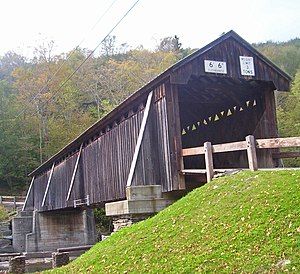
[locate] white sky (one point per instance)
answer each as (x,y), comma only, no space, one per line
(25,23)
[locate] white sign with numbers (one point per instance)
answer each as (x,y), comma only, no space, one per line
(247,66)
(215,66)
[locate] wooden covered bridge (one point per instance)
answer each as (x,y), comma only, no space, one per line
(221,93)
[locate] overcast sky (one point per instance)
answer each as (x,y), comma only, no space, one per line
(25,23)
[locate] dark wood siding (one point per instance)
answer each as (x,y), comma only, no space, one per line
(39,188)
(105,161)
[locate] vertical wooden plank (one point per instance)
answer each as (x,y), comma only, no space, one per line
(271,113)
(174,129)
(251,152)
(209,161)
(15,202)
(165,148)
(27,195)
(151,151)
(177,136)
(139,140)
(271,119)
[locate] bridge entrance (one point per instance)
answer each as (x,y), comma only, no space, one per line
(223,110)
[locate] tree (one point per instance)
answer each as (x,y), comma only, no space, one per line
(108,47)
(8,63)
(289,116)
(285,54)
(17,156)
(168,44)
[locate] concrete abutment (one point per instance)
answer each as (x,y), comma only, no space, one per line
(48,231)
(142,202)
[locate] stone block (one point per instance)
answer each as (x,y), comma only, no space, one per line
(60,259)
(122,221)
(35,255)
(144,192)
(136,206)
(17,265)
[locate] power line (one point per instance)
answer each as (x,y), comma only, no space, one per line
(65,61)
(83,62)
(90,54)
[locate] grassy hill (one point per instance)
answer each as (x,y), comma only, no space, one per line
(246,223)
(3,213)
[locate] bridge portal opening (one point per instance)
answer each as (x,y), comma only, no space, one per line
(221,110)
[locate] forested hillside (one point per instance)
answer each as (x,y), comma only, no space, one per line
(284,54)
(287,56)
(40,112)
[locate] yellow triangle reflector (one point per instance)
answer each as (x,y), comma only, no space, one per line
(194,127)
(188,128)
(204,122)
(234,108)
(198,123)
(209,118)
(222,112)
(217,118)
(254,103)
(248,103)
(229,112)
(241,109)
(183,132)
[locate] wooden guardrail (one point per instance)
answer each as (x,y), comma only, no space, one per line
(12,200)
(4,255)
(250,144)
(74,248)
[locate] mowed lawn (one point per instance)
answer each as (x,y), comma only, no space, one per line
(245,223)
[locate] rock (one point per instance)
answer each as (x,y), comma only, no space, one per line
(283,263)
(17,265)
(103,237)
(60,259)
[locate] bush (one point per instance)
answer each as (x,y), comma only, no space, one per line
(3,214)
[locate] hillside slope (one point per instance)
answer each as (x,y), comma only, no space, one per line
(3,214)
(244,223)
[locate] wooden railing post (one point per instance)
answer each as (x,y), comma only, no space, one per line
(251,152)
(208,161)
(15,202)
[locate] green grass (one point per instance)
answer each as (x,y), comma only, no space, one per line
(245,223)
(3,214)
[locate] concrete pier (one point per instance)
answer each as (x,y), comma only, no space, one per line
(52,230)
(21,225)
(48,231)
(141,203)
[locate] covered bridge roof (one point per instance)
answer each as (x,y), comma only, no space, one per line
(179,73)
